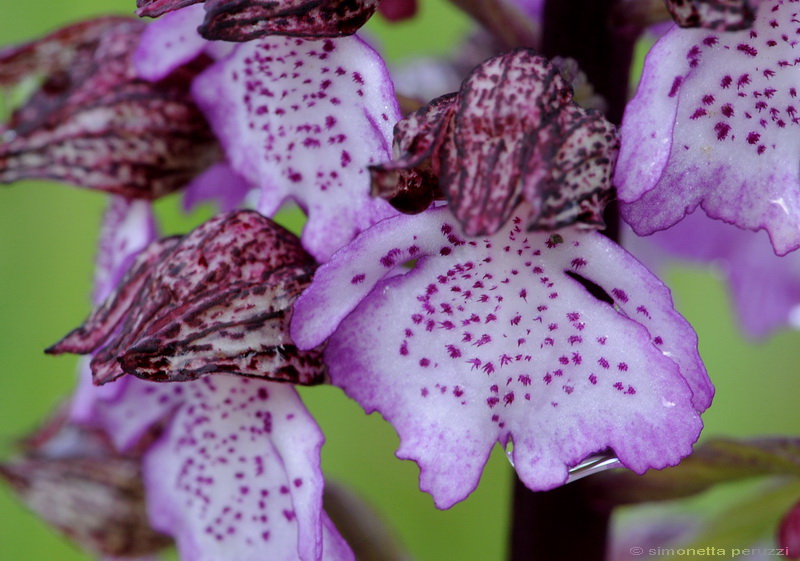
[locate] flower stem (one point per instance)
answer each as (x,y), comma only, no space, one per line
(563,523)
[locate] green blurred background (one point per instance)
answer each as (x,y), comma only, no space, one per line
(47,242)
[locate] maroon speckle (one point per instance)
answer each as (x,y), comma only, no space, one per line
(727,110)
(753,137)
(358,279)
(726,82)
(593,379)
(722,130)
(746,49)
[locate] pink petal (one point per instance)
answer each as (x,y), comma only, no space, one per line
(765,288)
(713,125)
(496,340)
(303,120)
(237,476)
(218,183)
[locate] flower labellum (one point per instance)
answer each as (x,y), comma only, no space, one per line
(93,123)
(501,339)
(714,124)
(237,475)
(215,300)
(512,133)
(245,20)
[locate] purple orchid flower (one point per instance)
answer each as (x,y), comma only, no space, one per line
(235,472)
(299,119)
(498,339)
(712,125)
(512,133)
(93,123)
(765,288)
(244,20)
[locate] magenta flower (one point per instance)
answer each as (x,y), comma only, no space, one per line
(93,123)
(299,119)
(498,339)
(236,472)
(244,20)
(713,125)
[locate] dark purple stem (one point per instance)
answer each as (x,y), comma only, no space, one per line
(564,523)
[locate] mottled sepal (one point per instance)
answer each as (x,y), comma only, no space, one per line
(244,20)
(155,8)
(92,123)
(562,343)
(714,125)
(512,133)
(215,300)
(72,478)
(408,182)
(718,15)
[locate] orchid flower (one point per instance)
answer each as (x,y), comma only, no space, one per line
(300,119)
(236,471)
(93,123)
(712,125)
(498,339)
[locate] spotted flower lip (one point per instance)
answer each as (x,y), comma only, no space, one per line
(512,133)
(92,123)
(713,124)
(216,300)
(245,20)
(498,339)
(237,474)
